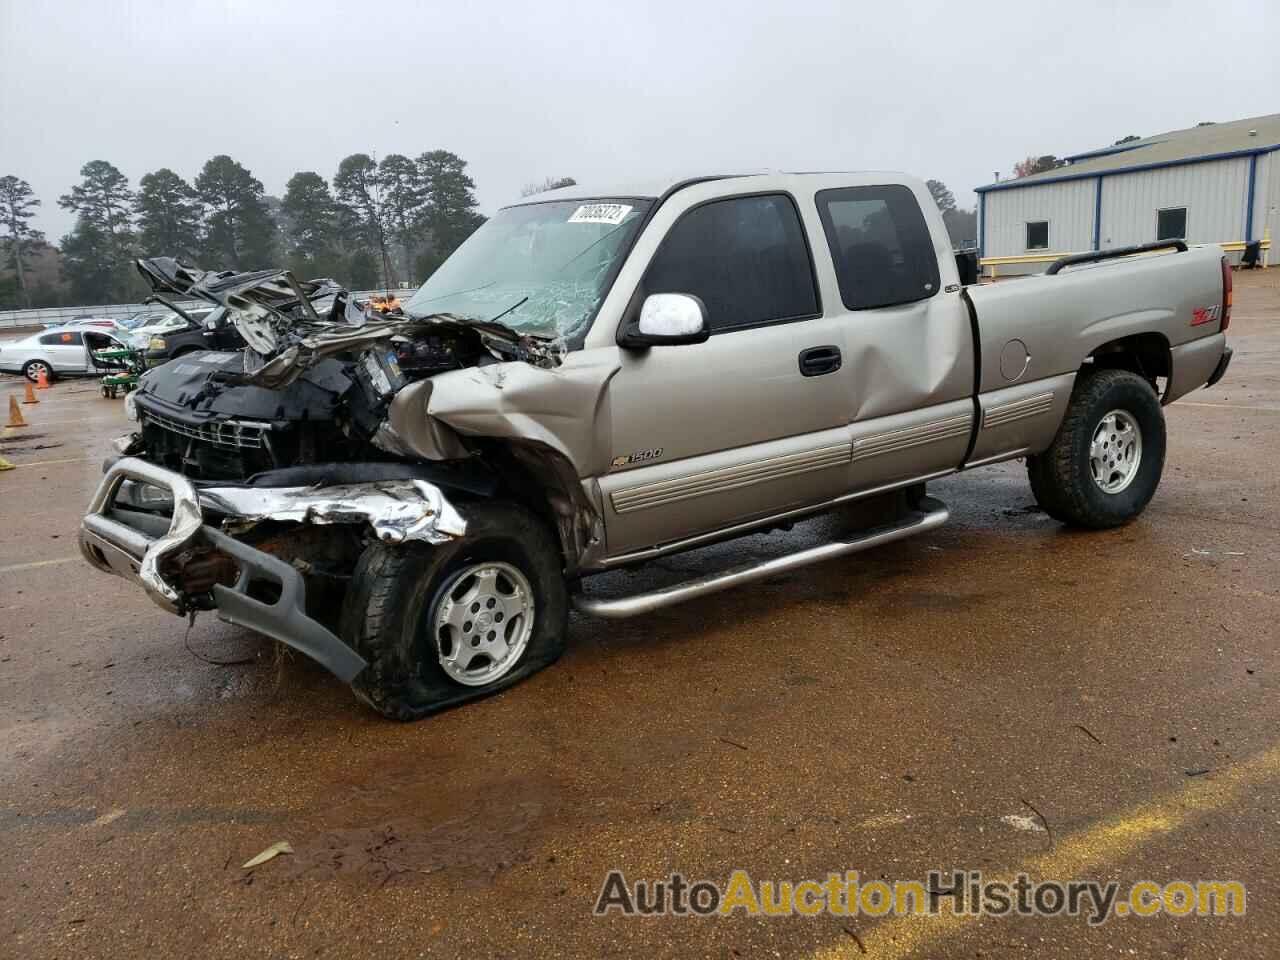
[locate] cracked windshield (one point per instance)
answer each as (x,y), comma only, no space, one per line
(541,268)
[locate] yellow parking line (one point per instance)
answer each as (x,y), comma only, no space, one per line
(1227,406)
(15,567)
(1107,842)
(45,463)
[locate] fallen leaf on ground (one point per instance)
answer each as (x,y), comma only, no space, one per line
(273,851)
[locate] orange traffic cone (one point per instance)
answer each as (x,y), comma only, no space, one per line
(42,381)
(15,412)
(31,394)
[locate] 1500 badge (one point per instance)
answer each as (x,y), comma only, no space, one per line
(640,456)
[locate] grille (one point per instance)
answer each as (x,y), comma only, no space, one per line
(229,433)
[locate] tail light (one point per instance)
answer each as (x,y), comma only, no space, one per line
(1226,295)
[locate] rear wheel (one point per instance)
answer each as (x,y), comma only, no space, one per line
(33,368)
(1104,465)
(440,625)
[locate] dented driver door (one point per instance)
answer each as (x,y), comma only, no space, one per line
(907,333)
(742,426)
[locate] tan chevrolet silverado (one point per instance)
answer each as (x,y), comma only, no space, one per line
(600,377)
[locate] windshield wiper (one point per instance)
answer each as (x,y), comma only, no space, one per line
(511,309)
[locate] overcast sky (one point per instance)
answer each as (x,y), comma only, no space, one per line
(612,90)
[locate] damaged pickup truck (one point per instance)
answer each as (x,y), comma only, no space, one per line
(598,378)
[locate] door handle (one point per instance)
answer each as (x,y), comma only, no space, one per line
(816,361)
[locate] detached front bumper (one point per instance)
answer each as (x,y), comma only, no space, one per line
(140,546)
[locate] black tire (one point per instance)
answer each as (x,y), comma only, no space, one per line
(389,609)
(30,368)
(1062,478)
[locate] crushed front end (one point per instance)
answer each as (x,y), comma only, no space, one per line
(248,552)
(255,478)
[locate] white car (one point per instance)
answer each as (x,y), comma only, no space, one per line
(62,351)
(159,325)
(88,323)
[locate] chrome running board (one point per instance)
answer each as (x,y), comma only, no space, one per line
(930,515)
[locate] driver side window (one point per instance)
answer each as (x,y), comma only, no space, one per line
(746,258)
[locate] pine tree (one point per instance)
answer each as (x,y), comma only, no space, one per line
(311,225)
(89,271)
(403,204)
(239,233)
(451,214)
(168,216)
(359,189)
(362,270)
(98,268)
(943,197)
(18,204)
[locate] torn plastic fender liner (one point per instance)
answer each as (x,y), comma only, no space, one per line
(397,510)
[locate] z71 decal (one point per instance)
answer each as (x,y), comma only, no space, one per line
(1204,315)
(640,456)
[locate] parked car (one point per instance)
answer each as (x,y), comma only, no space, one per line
(206,330)
(597,379)
(62,351)
(164,322)
(87,323)
(145,318)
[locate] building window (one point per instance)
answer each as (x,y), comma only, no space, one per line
(1171,224)
(1038,235)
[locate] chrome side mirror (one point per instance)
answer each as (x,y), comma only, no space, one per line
(667,319)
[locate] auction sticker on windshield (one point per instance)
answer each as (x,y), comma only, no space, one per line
(613,213)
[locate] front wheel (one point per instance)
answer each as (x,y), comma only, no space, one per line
(440,625)
(1104,465)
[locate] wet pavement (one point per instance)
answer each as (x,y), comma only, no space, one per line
(1002,694)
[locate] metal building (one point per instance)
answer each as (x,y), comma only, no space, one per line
(1213,184)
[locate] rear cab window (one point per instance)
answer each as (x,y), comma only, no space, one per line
(746,258)
(880,244)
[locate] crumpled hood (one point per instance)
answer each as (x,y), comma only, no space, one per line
(203,383)
(276,315)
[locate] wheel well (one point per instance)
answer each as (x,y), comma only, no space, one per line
(546,482)
(1146,354)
